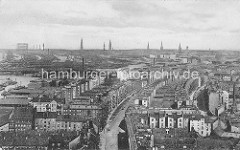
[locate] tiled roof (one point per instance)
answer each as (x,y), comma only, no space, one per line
(46,115)
(31,138)
(4,119)
(71,118)
(161,133)
(22,114)
(41,99)
(14,101)
(26,91)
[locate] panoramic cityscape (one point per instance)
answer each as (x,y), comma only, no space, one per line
(119,75)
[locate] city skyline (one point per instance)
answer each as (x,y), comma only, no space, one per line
(128,24)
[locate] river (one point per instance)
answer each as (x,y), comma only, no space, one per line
(22,80)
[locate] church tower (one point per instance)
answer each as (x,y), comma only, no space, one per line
(161,48)
(110,45)
(81,46)
(180,47)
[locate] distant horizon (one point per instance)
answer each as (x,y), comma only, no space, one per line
(92,49)
(129,24)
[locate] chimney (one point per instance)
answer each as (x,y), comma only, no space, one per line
(234,96)
(179,47)
(43,46)
(148,46)
(83,63)
(161,48)
(110,45)
(81,44)
(104,46)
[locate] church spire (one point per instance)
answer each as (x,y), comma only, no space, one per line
(179,47)
(110,45)
(161,48)
(81,46)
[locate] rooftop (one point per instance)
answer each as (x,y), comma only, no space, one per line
(71,118)
(22,114)
(26,91)
(14,101)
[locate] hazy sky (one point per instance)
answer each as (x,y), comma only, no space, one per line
(128,23)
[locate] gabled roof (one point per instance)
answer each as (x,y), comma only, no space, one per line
(45,115)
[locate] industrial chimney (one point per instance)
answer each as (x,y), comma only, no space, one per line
(83,64)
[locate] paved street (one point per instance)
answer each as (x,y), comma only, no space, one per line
(110,133)
(109,139)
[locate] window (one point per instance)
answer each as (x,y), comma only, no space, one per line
(89,112)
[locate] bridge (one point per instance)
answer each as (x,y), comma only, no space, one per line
(19,70)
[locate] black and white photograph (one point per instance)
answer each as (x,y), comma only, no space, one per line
(119,75)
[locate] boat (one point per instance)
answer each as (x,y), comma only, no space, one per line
(4,93)
(19,88)
(12,82)
(8,82)
(2,88)
(2,85)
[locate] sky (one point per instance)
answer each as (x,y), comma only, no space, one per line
(129,24)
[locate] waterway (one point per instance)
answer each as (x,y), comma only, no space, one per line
(22,80)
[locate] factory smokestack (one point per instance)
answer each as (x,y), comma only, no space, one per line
(83,63)
(110,45)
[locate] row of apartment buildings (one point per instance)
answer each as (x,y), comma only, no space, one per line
(54,114)
(24,119)
(191,119)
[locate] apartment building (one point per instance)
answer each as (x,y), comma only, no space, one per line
(53,122)
(44,104)
(168,120)
(201,125)
(21,119)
